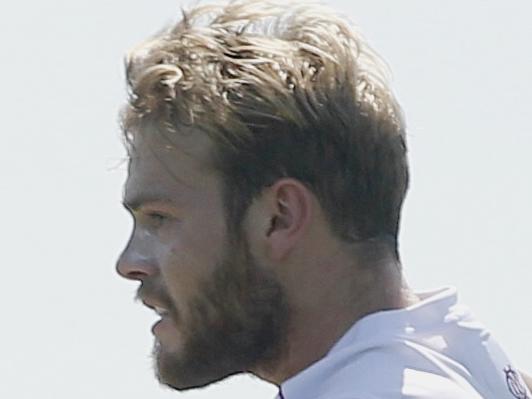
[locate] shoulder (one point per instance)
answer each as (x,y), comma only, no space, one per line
(393,371)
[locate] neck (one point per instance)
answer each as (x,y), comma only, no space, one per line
(323,309)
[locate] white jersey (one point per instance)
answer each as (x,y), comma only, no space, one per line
(434,349)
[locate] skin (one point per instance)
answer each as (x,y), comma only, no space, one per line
(224,310)
(246,303)
(527,379)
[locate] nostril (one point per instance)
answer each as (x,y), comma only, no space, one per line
(136,275)
(132,272)
(134,269)
(136,261)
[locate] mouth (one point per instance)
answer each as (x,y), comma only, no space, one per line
(160,311)
(156,307)
(164,327)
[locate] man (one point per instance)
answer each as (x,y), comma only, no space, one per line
(267,173)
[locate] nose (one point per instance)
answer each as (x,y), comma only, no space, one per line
(135,266)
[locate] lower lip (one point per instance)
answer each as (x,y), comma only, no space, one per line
(161,325)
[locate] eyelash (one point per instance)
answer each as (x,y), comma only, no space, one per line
(157,217)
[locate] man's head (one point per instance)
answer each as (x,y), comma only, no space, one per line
(256,130)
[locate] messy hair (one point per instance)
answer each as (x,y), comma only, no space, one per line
(283,89)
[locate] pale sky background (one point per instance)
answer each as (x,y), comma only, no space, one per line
(70,329)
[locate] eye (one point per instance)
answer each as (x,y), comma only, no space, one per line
(157,218)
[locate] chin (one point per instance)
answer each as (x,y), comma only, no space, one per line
(182,373)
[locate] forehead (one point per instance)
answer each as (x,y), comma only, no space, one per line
(164,165)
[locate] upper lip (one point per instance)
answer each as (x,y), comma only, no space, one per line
(155,305)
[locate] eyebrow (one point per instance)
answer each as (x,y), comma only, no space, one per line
(138,201)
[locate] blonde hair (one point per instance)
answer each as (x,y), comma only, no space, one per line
(283,88)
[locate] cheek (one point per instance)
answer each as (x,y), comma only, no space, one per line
(193,255)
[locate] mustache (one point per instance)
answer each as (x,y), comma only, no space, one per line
(155,291)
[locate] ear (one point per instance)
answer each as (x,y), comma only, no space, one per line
(290,211)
